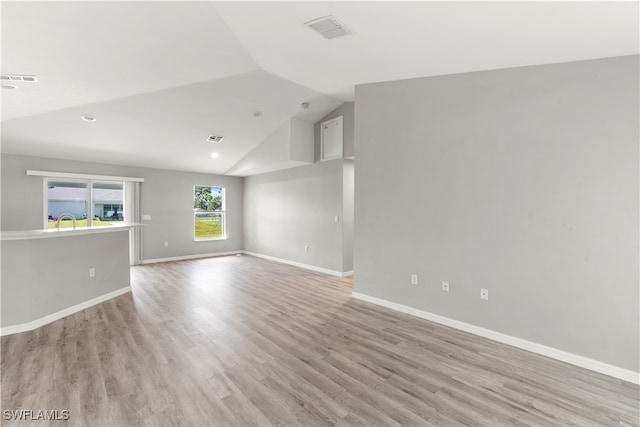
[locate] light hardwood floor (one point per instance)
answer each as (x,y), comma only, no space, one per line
(244,341)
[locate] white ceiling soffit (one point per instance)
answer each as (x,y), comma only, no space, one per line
(399,40)
(292,145)
(169,128)
(159,77)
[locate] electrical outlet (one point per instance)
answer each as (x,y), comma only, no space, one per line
(166,244)
(92,272)
(445,286)
(336,219)
(484,294)
(414,279)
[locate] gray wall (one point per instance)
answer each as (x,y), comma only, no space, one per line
(346,110)
(43,276)
(288,209)
(347,214)
(523,181)
(165,195)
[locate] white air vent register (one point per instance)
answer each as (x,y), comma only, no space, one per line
(328,27)
(215,138)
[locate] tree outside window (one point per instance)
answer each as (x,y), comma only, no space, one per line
(208,212)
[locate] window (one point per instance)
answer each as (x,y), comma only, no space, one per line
(107,200)
(208,213)
(91,203)
(64,197)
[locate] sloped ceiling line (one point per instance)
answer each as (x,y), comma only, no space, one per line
(174,72)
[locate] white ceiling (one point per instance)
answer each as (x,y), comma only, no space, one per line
(400,40)
(161,76)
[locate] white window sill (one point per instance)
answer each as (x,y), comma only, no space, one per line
(63,232)
(210,239)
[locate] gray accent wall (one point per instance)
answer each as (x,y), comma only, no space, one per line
(165,195)
(290,209)
(523,181)
(43,276)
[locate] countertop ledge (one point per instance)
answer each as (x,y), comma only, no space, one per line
(63,232)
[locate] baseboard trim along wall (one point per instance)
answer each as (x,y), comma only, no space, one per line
(301,265)
(29,326)
(564,356)
(255,254)
(187,257)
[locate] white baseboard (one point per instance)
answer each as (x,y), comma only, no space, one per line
(29,326)
(564,356)
(186,257)
(255,254)
(297,264)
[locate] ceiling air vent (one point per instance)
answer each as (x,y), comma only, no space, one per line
(328,27)
(215,138)
(18,78)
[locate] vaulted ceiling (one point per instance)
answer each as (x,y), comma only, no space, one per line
(161,76)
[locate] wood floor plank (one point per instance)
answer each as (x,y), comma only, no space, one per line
(241,341)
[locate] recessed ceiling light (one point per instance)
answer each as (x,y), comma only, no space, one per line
(88,118)
(215,155)
(8,86)
(304,105)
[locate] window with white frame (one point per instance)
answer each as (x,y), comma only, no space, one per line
(208,212)
(91,203)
